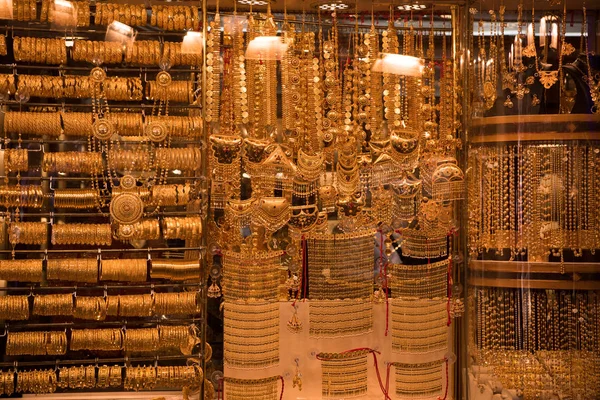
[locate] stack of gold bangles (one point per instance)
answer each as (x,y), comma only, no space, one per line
(176,18)
(36,343)
(184,228)
(74,162)
(7,82)
(16,160)
(175,270)
(77,377)
(21,270)
(88,50)
(78,199)
(171,195)
(184,159)
(148,229)
(36,381)
(177,91)
(129,14)
(32,123)
(178,126)
(40,50)
(143,52)
(24,10)
(21,196)
(72,270)
(86,234)
(14,308)
(53,304)
(124,270)
(28,233)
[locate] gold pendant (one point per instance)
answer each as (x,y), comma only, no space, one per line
(548,78)
(508,103)
(535,101)
(567,49)
(529,51)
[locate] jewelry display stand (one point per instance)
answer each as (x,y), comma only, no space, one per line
(533,238)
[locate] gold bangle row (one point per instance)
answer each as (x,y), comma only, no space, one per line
(129,14)
(74,162)
(175,270)
(36,381)
(143,52)
(77,377)
(90,308)
(171,195)
(53,304)
(21,196)
(91,51)
(179,303)
(96,339)
(172,377)
(124,270)
(184,159)
(3,51)
(72,270)
(21,270)
(33,123)
(28,233)
(16,160)
(173,55)
(78,199)
(177,91)
(184,228)
(177,18)
(77,87)
(7,81)
(148,229)
(179,126)
(24,10)
(36,343)
(14,308)
(129,160)
(85,234)
(40,50)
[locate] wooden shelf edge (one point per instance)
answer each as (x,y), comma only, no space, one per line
(534,284)
(520,267)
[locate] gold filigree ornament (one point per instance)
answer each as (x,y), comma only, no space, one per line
(548,78)
(163,78)
(128,182)
(156,131)
(103,129)
(529,51)
(97,75)
(126,208)
(567,48)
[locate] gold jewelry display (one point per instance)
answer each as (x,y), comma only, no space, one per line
(16,160)
(174,270)
(28,233)
(36,343)
(148,229)
(338,318)
(84,234)
(184,228)
(14,308)
(7,81)
(181,303)
(177,91)
(89,51)
(26,270)
(53,304)
(143,52)
(73,162)
(139,305)
(36,381)
(129,14)
(344,374)
(77,377)
(40,50)
(21,196)
(183,159)
(96,339)
(72,270)
(33,123)
(426,281)
(90,308)
(124,270)
(78,199)
(419,379)
(419,325)
(251,389)
(262,318)
(176,18)
(251,274)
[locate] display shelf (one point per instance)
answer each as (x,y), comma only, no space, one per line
(519,267)
(527,128)
(527,284)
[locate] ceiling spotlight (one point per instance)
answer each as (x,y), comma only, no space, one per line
(333,6)
(412,7)
(254,2)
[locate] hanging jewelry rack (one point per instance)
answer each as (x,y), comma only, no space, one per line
(87,361)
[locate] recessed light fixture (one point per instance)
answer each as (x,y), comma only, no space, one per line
(446,16)
(254,2)
(333,6)
(412,7)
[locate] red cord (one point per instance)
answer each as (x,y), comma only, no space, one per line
(447,380)
(220,389)
(282,387)
(304,267)
(448,304)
